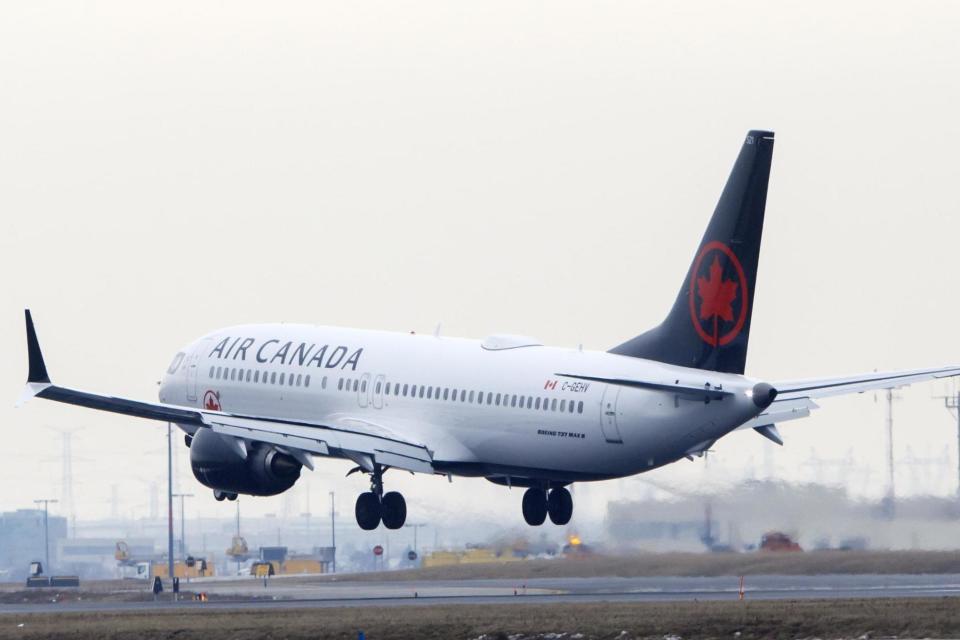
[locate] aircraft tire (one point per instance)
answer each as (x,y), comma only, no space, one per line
(393,510)
(367,511)
(560,506)
(219,496)
(534,506)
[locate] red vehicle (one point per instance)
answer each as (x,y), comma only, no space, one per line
(778,541)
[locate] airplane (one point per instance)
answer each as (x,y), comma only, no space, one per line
(259,402)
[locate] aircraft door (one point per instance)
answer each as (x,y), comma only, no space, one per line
(378,384)
(608,414)
(363,393)
(192,368)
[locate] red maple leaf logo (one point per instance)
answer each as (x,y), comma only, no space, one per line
(712,298)
(716,295)
(211,402)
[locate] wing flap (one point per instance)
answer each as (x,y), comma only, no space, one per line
(311,445)
(326,440)
(782,411)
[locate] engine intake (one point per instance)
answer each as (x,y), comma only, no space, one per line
(218,464)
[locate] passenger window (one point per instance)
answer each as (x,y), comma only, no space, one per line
(422,391)
(571,406)
(471,396)
(563,406)
(446,394)
(479,397)
(306,381)
(386,389)
(498,400)
(249,375)
(538,403)
(211,372)
(580,407)
(463,394)
(363,387)
(546,404)
(490,397)
(340,384)
(323,382)
(429,393)
(553,405)
(233,374)
(377,388)
(256,376)
(282,376)
(513,401)
(240,375)
(273,377)
(299,379)
(405,389)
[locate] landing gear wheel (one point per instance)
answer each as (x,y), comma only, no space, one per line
(231,497)
(393,509)
(219,496)
(560,506)
(368,511)
(535,507)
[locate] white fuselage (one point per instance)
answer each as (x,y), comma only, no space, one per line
(496,408)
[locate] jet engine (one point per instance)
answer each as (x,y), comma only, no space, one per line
(224,463)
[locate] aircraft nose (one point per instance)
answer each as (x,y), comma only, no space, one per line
(763,395)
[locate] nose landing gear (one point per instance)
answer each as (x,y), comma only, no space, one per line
(537,505)
(374,507)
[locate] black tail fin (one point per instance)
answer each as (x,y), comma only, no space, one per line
(709,326)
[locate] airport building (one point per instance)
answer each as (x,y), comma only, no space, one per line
(22,541)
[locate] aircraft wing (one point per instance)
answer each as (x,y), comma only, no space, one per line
(824,387)
(795,398)
(365,443)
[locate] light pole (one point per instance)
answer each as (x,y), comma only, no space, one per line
(183,540)
(333,532)
(952,403)
(170,499)
(46,532)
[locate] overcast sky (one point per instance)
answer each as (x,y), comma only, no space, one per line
(536,168)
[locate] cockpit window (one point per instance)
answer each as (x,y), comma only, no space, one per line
(177,359)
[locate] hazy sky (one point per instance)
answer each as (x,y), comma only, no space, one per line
(524,167)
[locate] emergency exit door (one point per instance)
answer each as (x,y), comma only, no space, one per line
(608,414)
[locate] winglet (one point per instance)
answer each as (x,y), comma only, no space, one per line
(38,370)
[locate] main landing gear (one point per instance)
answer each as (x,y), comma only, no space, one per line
(224,495)
(538,504)
(375,506)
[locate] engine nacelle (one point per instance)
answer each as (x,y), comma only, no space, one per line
(219,464)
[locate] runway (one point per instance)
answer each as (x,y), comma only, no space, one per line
(288,594)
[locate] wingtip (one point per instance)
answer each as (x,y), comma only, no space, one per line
(38,370)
